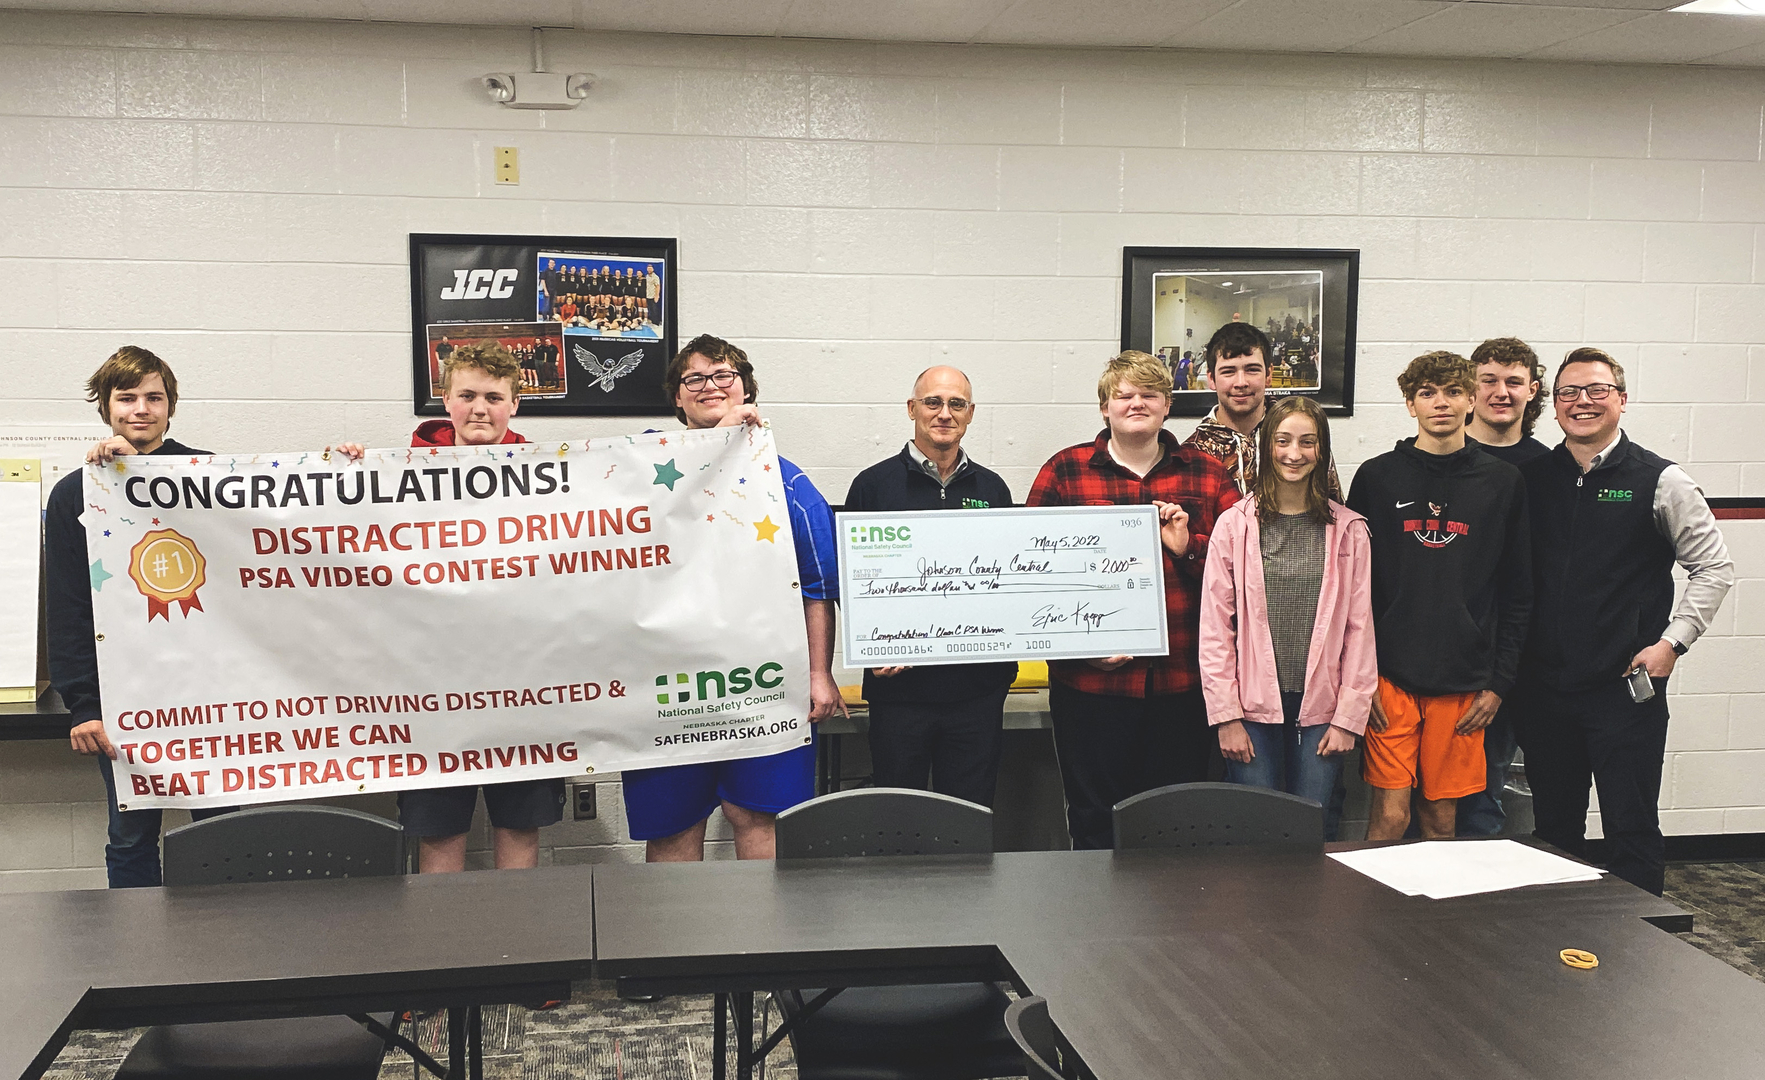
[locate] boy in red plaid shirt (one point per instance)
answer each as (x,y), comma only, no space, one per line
(1122,724)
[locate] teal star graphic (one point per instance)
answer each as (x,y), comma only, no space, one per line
(667,474)
(100,576)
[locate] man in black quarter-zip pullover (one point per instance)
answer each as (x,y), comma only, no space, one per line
(945,720)
(1452,588)
(1609,520)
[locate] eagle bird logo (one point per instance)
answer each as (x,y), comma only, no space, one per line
(607,372)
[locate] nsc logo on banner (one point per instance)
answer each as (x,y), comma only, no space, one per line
(292,626)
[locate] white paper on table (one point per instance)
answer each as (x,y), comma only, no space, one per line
(21,524)
(1441,869)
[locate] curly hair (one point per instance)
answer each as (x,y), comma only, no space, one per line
(714,349)
(1441,368)
(1512,352)
(491,357)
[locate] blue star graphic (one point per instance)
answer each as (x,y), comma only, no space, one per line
(508,453)
(106,532)
(100,576)
(743,480)
(667,474)
(275,464)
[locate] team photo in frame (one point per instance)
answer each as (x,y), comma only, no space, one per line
(589,319)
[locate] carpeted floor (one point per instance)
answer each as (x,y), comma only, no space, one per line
(595,1035)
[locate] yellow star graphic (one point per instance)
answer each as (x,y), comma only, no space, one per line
(765,530)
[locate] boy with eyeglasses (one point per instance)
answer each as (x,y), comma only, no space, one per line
(1609,522)
(712,384)
(945,720)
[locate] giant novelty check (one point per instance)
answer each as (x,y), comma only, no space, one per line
(1038,583)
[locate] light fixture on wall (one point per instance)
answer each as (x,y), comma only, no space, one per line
(539,88)
(1722,7)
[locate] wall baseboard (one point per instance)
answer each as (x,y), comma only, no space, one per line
(1720,847)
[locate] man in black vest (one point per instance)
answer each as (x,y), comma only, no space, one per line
(1609,520)
(945,720)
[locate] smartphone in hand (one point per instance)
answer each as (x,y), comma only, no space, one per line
(1642,688)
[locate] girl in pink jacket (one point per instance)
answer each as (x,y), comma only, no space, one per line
(1288,662)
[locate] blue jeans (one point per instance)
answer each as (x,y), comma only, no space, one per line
(1286,759)
(1481,814)
(131,857)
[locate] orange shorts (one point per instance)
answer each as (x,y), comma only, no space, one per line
(1421,740)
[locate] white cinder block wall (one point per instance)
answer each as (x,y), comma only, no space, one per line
(236,196)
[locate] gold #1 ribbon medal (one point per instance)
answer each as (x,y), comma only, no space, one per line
(166,566)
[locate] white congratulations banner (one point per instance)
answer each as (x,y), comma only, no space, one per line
(288,626)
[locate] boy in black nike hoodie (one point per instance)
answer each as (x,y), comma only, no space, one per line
(1452,592)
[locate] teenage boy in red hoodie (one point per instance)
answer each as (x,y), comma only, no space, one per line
(481,388)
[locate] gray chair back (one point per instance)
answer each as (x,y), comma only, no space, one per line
(884,821)
(1217,815)
(1032,1030)
(283,843)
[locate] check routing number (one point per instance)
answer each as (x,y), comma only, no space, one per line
(1036,583)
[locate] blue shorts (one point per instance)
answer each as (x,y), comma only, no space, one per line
(674,798)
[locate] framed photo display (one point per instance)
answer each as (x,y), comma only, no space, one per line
(1304,299)
(590,319)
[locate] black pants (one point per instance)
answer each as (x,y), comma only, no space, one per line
(957,742)
(1113,747)
(1598,737)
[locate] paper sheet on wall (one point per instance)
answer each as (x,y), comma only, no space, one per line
(60,447)
(21,519)
(1442,869)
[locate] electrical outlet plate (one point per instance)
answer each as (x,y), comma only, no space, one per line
(508,165)
(582,802)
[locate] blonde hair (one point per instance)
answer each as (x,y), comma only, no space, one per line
(1141,369)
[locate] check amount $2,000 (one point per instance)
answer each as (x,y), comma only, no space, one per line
(1033,583)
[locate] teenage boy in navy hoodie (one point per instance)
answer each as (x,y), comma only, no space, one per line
(481,389)
(1452,592)
(137,395)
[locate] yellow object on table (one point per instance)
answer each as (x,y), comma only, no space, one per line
(1032,675)
(1579,958)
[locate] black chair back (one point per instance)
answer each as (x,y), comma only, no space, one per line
(1032,1030)
(283,843)
(1217,815)
(884,821)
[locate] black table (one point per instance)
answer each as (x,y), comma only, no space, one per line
(1222,963)
(116,958)
(1229,962)
(43,719)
